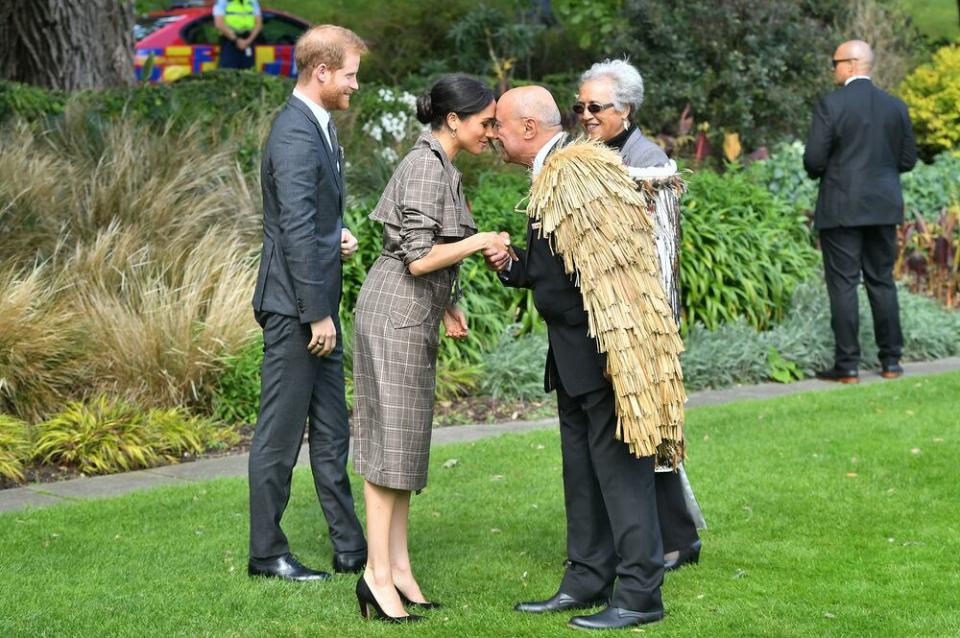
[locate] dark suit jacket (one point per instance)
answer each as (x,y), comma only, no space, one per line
(860,141)
(303,197)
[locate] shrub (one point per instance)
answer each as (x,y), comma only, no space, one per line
(927,189)
(514,368)
(236,398)
(932,92)
(14,448)
(737,353)
(753,68)
(110,435)
(930,188)
(102,437)
(742,252)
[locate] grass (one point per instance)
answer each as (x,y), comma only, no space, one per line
(833,514)
(935,18)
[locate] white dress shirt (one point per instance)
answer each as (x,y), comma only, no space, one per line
(856,77)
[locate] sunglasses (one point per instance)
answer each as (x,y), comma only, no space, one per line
(593,107)
(835,62)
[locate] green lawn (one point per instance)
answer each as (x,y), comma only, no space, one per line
(831,514)
(936,18)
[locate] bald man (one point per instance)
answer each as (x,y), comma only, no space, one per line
(614,547)
(860,141)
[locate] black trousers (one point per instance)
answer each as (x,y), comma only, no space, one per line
(233,58)
(872,251)
(677,527)
(297,387)
(611,506)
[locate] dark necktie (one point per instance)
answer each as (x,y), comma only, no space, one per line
(334,143)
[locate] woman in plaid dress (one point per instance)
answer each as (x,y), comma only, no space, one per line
(427,232)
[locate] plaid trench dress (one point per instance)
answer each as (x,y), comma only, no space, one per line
(397,319)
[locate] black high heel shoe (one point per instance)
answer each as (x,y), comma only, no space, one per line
(687,556)
(365,599)
(409,603)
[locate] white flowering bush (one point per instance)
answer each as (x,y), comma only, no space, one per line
(386,116)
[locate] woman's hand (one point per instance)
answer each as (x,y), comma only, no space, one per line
(455,323)
(496,250)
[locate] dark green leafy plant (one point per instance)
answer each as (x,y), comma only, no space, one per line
(109,435)
(742,252)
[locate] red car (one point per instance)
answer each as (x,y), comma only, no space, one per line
(184,41)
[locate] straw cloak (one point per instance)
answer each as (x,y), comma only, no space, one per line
(585,203)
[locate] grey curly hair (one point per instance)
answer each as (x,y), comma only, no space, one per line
(626,79)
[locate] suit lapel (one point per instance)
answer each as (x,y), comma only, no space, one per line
(325,147)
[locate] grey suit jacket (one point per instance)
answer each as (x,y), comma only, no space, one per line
(303,198)
(641,152)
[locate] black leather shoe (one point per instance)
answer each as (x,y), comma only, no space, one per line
(558,602)
(349,563)
(285,567)
(687,556)
(616,618)
(891,370)
(839,375)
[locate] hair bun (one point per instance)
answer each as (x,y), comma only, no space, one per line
(424,109)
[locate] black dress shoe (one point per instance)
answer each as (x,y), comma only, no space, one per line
(615,618)
(558,602)
(891,370)
(349,563)
(839,375)
(285,567)
(689,555)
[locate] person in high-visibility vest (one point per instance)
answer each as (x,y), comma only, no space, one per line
(239,22)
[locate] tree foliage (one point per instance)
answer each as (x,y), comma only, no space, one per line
(750,67)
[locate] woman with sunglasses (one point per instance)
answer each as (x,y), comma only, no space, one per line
(610,92)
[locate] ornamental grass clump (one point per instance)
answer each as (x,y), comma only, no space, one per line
(14,448)
(42,343)
(109,435)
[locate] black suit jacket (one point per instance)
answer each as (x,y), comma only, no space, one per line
(573,354)
(860,141)
(303,198)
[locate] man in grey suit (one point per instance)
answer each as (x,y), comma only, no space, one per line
(860,140)
(296,302)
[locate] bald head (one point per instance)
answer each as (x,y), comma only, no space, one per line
(528,117)
(854,57)
(533,102)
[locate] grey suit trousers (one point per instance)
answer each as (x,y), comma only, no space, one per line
(298,388)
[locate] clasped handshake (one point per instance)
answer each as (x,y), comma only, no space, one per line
(497,251)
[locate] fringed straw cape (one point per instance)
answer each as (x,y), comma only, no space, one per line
(594,216)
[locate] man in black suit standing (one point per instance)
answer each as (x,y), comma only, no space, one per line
(297,302)
(614,547)
(860,141)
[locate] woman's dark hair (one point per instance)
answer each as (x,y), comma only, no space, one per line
(458,93)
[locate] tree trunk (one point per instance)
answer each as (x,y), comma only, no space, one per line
(67,44)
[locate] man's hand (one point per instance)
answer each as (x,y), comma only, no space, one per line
(455,323)
(242,43)
(323,337)
(348,245)
(499,255)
